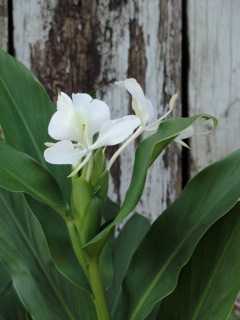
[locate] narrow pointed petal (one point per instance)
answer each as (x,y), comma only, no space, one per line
(140,104)
(63,152)
(187,133)
(182,143)
(136,91)
(116,131)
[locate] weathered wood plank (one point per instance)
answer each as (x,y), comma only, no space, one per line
(150,52)
(214,79)
(4,25)
(91,44)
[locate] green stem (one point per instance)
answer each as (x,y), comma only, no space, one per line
(89,169)
(76,243)
(98,289)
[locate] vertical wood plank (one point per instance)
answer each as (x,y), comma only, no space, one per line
(79,46)
(4,25)
(214,78)
(142,39)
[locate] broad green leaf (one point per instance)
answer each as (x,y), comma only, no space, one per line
(147,151)
(25,108)
(10,306)
(125,245)
(56,234)
(25,112)
(5,280)
(111,209)
(44,291)
(21,173)
(209,283)
(171,240)
(233,316)
(105,261)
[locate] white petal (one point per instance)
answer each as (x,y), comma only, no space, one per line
(64,102)
(115,131)
(81,100)
(151,112)
(182,143)
(187,133)
(63,152)
(136,91)
(61,126)
(99,113)
(96,112)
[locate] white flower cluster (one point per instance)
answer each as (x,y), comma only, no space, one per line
(77,120)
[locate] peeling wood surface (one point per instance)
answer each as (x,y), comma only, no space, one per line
(214,79)
(141,39)
(79,46)
(4,25)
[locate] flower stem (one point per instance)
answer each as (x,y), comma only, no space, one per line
(76,243)
(98,290)
(89,169)
(117,153)
(91,269)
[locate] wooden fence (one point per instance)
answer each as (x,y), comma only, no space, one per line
(188,46)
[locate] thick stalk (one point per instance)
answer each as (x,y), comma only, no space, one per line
(92,272)
(76,243)
(98,290)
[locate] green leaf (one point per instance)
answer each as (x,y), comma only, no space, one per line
(125,245)
(105,261)
(5,280)
(233,316)
(10,305)
(147,151)
(21,173)
(171,240)
(25,108)
(56,234)
(25,112)
(44,291)
(209,283)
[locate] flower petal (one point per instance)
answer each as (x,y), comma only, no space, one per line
(63,152)
(187,133)
(140,104)
(99,113)
(96,111)
(81,100)
(61,126)
(64,102)
(115,131)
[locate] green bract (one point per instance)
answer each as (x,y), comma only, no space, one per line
(59,255)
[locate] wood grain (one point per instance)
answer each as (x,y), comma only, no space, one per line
(80,46)
(214,78)
(4,25)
